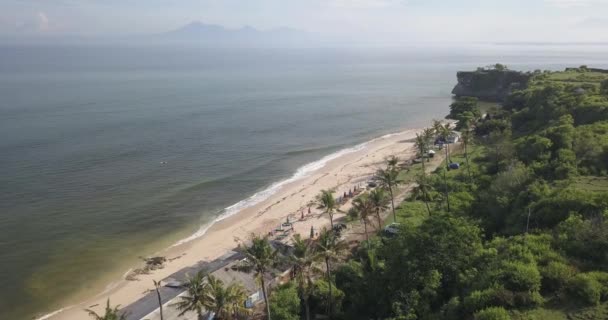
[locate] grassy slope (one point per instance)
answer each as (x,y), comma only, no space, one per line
(414,212)
(592,183)
(570,77)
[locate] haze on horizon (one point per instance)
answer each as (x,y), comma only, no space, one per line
(360,20)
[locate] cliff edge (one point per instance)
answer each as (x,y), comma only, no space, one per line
(490,84)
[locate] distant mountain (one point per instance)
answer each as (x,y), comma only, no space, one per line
(192,34)
(209,34)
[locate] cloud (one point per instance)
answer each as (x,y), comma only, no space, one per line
(42,22)
(365,4)
(594,22)
(575,3)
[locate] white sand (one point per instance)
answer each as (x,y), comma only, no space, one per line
(340,174)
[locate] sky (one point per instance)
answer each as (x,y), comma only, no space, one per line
(366,20)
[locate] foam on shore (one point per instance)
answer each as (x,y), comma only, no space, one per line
(302,172)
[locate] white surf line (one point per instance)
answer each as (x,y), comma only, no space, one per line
(302,172)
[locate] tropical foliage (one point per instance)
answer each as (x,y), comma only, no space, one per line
(111,313)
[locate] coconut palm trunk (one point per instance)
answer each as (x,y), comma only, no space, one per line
(445,179)
(263,283)
(423,146)
(423,186)
(307,308)
(389,180)
(330,298)
(261,257)
(390,191)
(327,202)
(160,303)
(330,249)
(466,158)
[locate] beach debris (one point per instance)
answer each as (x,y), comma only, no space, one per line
(175,258)
(155,262)
(151,264)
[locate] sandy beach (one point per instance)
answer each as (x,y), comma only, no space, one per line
(342,173)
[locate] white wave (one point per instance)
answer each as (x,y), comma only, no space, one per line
(258,197)
(201,232)
(262,195)
(127,273)
(49,315)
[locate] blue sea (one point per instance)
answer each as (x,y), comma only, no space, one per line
(111,153)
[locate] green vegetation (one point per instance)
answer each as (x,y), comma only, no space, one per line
(261,257)
(196,296)
(327,202)
(285,303)
(110,313)
(518,230)
(207,293)
(388,179)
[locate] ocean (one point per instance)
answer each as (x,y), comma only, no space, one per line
(108,154)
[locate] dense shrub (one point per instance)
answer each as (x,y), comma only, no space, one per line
(555,276)
(480,299)
(452,310)
(493,313)
(319,300)
(518,276)
(590,287)
(285,303)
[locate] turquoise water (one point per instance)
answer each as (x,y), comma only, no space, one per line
(108,154)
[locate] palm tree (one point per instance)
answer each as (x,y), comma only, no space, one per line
(195,299)
(444,131)
(388,180)
(261,257)
(160,302)
(303,258)
(380,202)
(423,147)
(364,207)
(237,295)
(110,313)
(392,162)
(326,201)
(329,250)
(466,141)
(225,302)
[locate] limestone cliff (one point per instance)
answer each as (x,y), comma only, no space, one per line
(490,84)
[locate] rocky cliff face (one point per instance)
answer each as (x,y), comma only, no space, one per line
(490,85)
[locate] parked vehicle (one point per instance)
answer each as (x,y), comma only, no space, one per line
(392,229)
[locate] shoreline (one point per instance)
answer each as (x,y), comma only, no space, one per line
(258,214)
